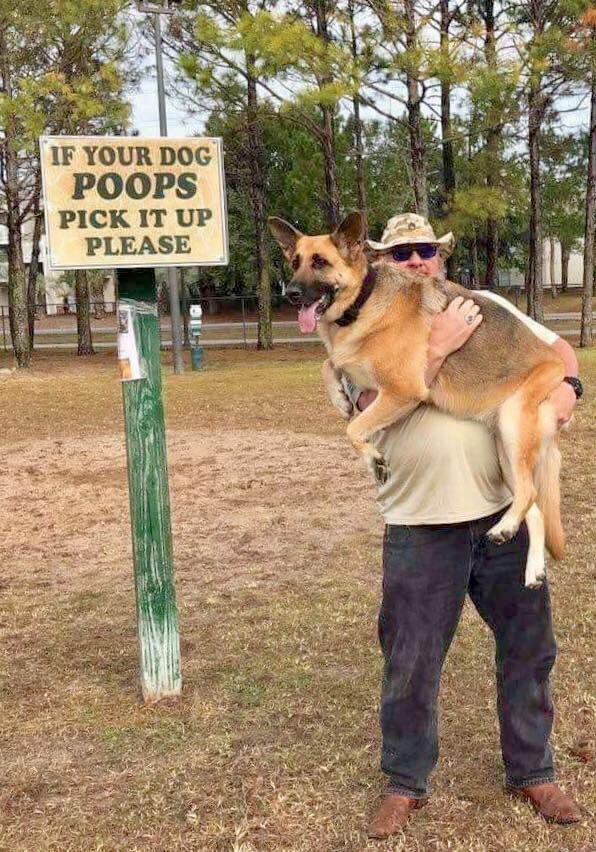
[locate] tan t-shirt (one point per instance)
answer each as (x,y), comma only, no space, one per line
(444,470)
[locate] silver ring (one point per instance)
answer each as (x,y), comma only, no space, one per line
(470,319)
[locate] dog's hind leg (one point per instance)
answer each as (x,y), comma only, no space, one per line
(535,570)
(385,410)
(519,443)
(521,430)
(535,559)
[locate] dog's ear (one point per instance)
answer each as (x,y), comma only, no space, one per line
(285,234)
(350,235)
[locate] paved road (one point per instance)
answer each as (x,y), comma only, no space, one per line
(576,315)
(167,344)
(99,328)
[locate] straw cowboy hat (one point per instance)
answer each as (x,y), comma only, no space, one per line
(409,229)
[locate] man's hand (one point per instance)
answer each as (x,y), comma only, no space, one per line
(335,389)
(563,400)
(448,333)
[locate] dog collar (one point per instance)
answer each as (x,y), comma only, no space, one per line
(351,313)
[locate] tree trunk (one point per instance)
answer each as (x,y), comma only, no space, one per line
(185,305)
(331,202)
(359,148)
(417,146)
(585,338)
(358,145)
(17,281)
(34,265)
(475,265)
(492,252)
(492,148)
(552,247)
(85,342)
(447,144)
(17,293)
(257,196)
(535,281)
(96,289)
(537,103)
(565,254)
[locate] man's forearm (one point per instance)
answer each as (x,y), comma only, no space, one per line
(567,354)
(561,347)
(433,365)
(563,397)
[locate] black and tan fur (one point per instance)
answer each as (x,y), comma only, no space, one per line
(502,376)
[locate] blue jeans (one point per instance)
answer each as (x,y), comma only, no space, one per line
(427,571)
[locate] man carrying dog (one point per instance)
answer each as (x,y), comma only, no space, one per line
(444,492)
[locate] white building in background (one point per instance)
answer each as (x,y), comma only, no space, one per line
(576,265)
(57,297)
(515,278)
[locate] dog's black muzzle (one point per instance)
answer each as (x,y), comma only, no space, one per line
(304,296)
(294,295)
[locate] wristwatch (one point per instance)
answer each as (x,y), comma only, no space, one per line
(578,388)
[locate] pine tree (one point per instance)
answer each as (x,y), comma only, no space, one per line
(588,43)
(59,68)
(223,50)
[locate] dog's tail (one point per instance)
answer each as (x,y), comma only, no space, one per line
(549,495)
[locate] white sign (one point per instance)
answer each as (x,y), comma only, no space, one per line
(114,201)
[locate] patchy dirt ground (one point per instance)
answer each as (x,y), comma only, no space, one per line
(274,745)
(249,508)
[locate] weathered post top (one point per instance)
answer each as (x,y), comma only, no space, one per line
(138,284)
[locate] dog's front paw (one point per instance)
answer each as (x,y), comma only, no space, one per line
(379,469)
(344,405)
(501,533)
(382,471)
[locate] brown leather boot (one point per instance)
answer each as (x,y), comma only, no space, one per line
(550,802)
(392,815)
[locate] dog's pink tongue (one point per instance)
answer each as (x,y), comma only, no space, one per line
(307,318)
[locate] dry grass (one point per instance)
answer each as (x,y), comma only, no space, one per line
(274,745)
(570,302)
(563,302)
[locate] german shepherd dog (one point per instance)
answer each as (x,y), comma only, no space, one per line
(375,323)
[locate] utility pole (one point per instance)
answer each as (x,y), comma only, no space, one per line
(157,9)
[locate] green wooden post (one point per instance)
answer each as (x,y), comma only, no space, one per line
(157,619)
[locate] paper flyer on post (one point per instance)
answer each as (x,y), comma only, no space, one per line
(129,360)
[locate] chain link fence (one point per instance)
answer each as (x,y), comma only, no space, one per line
(227,321)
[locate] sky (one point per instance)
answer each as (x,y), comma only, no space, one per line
(145,115)
(145,112)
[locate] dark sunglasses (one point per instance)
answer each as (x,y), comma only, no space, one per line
(424,251)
